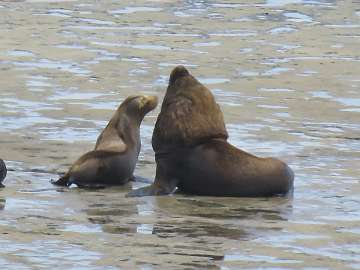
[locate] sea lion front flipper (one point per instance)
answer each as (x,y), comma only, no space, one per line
(164,183)
(152,190)
(145,191)
(162,186)
(1,185)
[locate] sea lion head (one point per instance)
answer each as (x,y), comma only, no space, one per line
(3,171)
(138,106)
(189,113)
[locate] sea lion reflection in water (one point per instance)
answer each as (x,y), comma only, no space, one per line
(116,152)
(192,152)
(3,172)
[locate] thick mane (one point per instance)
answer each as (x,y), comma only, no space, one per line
(189,113)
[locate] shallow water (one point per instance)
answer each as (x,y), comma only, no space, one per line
(286,74)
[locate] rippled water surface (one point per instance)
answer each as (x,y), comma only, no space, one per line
(286,74)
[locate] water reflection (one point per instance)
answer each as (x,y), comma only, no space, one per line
(197,230)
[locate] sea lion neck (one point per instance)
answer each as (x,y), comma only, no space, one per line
(129,130)
(189,114)
(125,127)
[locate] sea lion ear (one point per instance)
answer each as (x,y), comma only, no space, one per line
(179,71)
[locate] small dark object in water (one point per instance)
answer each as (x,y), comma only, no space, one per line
(3,172)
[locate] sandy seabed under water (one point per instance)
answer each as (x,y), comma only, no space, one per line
(286,75)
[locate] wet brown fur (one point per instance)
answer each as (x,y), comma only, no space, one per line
(189,113)
(192,152)
(113,160)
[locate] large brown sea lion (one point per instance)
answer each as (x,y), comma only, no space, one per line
(3,172)
(116,152)
(192,152)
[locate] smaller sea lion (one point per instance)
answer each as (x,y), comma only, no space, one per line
(116,152)
(3,172)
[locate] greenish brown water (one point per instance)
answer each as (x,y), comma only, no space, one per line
(286,74)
